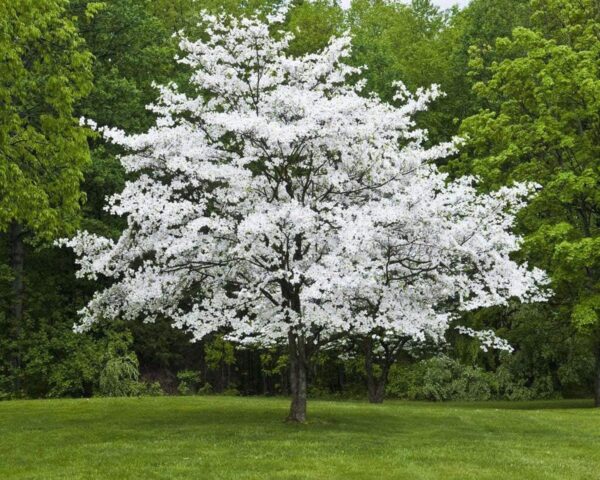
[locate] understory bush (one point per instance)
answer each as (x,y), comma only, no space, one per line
(120,376)
(443,378)
(189,382)
(150,389)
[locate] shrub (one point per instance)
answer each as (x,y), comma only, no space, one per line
(443,378)
(231,391)
(120,375)
(189,382)
(150,389)
(205,389)
(447,379)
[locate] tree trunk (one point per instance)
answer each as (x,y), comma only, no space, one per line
(597,381)
(17,262)
(376,389)
(298,364)
(375,384)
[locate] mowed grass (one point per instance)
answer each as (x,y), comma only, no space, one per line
(246,438)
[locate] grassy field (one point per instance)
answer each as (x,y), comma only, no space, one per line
(245,438)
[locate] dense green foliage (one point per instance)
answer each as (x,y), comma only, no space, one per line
(523,85)
(541,123)
(44,71)
(411,43)
(244,438)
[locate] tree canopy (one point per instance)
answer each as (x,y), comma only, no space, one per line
(45,71)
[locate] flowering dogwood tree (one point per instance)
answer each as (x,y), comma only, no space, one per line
(251,201)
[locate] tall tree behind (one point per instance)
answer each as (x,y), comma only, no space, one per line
(45,70)
(475,29)
(413,43)
(541,124)
(421,44)
(313,24)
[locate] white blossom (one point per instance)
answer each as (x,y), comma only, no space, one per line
(276,199)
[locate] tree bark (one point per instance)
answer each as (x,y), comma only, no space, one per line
(298,370)
(376,389)
(17,263)
(375,383)
(597,381)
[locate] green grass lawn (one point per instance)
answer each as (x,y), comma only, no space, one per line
(245,438)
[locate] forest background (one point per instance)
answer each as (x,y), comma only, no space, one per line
(522,87)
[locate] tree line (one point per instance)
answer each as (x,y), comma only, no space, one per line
(522,89)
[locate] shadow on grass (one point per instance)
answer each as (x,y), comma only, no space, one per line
(249,419)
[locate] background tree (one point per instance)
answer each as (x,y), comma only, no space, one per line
(541,123)
(45,71)
(133,45)
(413,43)
(313,24)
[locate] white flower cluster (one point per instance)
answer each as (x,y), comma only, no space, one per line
(487,338)
(277,199)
